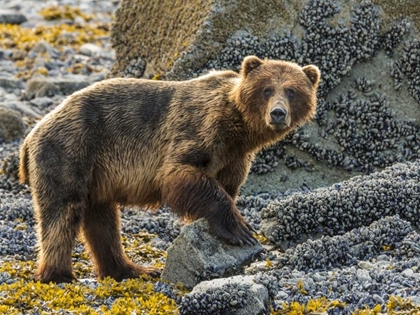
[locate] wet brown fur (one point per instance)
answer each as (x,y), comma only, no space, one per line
(188,144)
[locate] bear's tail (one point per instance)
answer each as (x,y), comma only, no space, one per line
(23,164)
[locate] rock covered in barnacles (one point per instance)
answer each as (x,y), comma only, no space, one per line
(197,255)
(344,206)
(238,295)
(10,165)
(357,245)
(12,126)
(362,268)
(409,65)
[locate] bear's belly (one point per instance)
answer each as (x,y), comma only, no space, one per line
(141,192)
(127,183)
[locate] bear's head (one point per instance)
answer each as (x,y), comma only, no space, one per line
(276,96)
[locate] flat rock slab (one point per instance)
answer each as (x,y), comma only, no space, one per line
(11,84)
(238,295)
(40,86)
(11,17)
(68,86)
(197,255)
(22,107)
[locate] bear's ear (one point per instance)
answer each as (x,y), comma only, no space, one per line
(250,63)
(313,74)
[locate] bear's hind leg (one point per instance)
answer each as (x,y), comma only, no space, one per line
(58,225)
(101,231)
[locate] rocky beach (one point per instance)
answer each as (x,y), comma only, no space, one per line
(336,204)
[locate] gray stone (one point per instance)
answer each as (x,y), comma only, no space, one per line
(11,17)
(13,5)
(10,83)
(80,58)
(90,49)
(79,21)
(18,54)
(382,258)
(12,126)
(281,295)
(366,265)
(70,85)
(96,77)
(378,299)
(7,53)
(43,47)
(363,275)
(248,298)
(9,97)
(21,107)
(408,272)
(7,67)
(416,300)
(318,277)
(41,102)
(383,264)
(41,86)
(17,92)
(196,255)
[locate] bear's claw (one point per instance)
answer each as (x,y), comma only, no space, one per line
(238,232)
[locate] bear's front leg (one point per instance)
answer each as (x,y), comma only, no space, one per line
(234,174)
(193,194)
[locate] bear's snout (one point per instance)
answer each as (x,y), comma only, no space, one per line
(278,116)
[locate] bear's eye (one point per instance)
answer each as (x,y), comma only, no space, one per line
(268,91)
(290,93)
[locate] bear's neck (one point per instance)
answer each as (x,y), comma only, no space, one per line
(253,137)
(255,141)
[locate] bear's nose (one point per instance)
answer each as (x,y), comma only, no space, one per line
(278,115)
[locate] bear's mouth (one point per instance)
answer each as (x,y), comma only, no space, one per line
(279,126)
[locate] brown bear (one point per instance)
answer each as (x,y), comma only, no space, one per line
(140,142)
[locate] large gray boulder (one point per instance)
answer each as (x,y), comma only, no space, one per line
(197,255)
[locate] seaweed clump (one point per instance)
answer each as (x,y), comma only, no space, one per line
(20,294)
(63,12)
(17,37)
